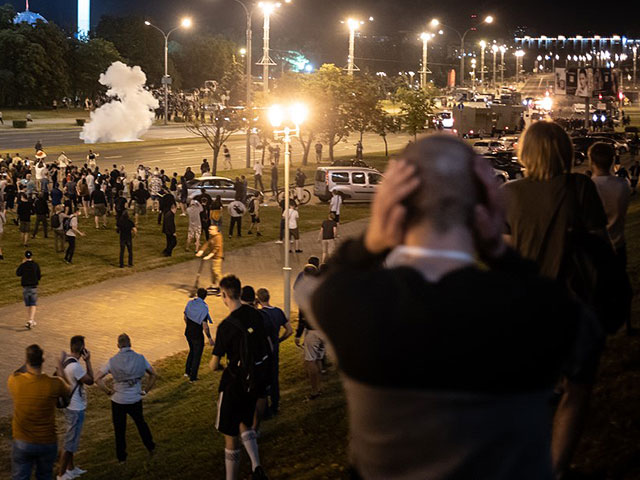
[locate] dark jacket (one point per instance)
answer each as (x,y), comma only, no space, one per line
(30,273)
(41,207)
(169,223)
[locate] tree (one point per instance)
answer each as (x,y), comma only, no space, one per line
(363,104)
(87,60)
(383,124)
(226,121)
(203,57)
(415,105)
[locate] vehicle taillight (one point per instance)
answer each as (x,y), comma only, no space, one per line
(326,178)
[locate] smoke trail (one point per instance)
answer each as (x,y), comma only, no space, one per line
(130,112)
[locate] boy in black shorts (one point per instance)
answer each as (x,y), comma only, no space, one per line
(237,403)
(254,210)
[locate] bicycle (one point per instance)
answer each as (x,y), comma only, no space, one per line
(306,195)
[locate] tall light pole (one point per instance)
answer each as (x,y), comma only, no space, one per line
(494,50)
(425,37)
(248,69)
(186,23)
(635,58)
(502,50)
(296,115)
(483,45)
(518,54)
(473,74)
(488,19)
(267,9)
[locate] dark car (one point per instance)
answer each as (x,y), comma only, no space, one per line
(507,162)
(582,144)
(349,163)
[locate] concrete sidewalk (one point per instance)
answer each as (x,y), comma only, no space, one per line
(148,306)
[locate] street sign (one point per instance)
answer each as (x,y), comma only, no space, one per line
(167,80)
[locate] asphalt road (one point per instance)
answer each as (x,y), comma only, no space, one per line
(173,156)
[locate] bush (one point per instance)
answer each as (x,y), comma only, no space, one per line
(19,124)
(80,122)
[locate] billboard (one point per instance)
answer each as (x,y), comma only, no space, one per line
(586,81)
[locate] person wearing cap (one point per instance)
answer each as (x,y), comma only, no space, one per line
(29,273)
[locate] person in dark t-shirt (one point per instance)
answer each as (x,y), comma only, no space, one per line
(127,230)
(327,236)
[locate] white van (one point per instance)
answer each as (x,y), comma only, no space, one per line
(355,183)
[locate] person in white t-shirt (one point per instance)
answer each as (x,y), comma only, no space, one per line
(77,376)
(63,161)
(257,176)
(71,231)
(91,182)
(293,225)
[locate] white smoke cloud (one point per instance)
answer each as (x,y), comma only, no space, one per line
(130,112)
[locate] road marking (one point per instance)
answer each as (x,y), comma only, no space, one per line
(115,156)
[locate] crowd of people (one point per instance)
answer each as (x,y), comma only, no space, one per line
(509,381)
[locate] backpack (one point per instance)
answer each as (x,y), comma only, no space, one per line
(66,224)
(55,221)
(62,402)
(254,366)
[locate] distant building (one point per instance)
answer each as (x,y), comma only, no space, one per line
(28,17)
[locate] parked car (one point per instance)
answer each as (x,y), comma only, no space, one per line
(509,141)
(582,144)
(487,146)
(215,186)
(506,162)
(620,142)
(355,183)
(353,162)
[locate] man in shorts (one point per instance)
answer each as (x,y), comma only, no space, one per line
(237,406)
(294,233)
(29,273)
(216,252)
(314,345)
(327,236)
(24,211)
(195,225)
(254,211)
(99,203)
(77,376)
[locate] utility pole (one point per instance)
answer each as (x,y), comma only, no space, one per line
(483,44)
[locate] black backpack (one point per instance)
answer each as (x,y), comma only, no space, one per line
(55,221)
(66,224)
(252,206)
(256,355)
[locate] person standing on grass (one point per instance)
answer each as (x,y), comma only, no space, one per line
(196,319)
(257,176)
(275,321)
(274,180)
(41,209)
(77,376)
(3,222)
(169,230)
(24,211)
(294,232)
(165,203)
(30,275)
(120,206)
(227,157)
(314,345)
(204,167)
(57,227)
(128,369)
(237,403)
(99,204)
(300,179)
(35,395)
(327,236)
(155,188)
(215,248)
(140,197)
(127,230)
(254,210)
(236,211)
(70,227)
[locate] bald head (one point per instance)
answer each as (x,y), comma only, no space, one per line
(448,188)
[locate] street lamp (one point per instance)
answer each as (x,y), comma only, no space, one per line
(353,25)
(435,23)
(502,50)
(494,50)
(267,9)
(185,23)
(519,54)
(294,116)
(483,45)
(635,59)
(473,73)
(425,37)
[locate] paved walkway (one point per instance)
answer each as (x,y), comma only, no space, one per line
(148,306)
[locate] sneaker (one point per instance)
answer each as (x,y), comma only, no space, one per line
(279,242)
(28,325)
(76,472)
(258,474)
(65,476)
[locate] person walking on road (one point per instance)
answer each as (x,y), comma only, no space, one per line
(127,230)
(35,395)
(128,369)
(227,157)
(327,236)
(294,232)
(196,319)
(169,230)
(214,247)
(30,275)
(318,148)
(77,376)
(70,227)
(336,204)
(236,211)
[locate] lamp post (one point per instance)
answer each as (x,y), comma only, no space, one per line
(488,19)
(502,50)
(186,23)
(425,37)
(248,53)
(473,74)
(267,9)
(494,50)
(483,45)
(295,116)
(519,54)
(635,59)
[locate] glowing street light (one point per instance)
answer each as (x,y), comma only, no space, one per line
(267,9)
(494,50)
(518,54)
(353,25)
(425,37)
(502,69)
(185,23)
(436,23)
(290,118)
(483,45)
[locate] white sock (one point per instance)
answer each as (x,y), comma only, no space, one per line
(250,442)
(232,463)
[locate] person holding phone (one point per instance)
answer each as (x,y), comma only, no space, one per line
(77,376)
(410,289)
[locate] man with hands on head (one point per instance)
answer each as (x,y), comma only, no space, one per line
(481,370)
